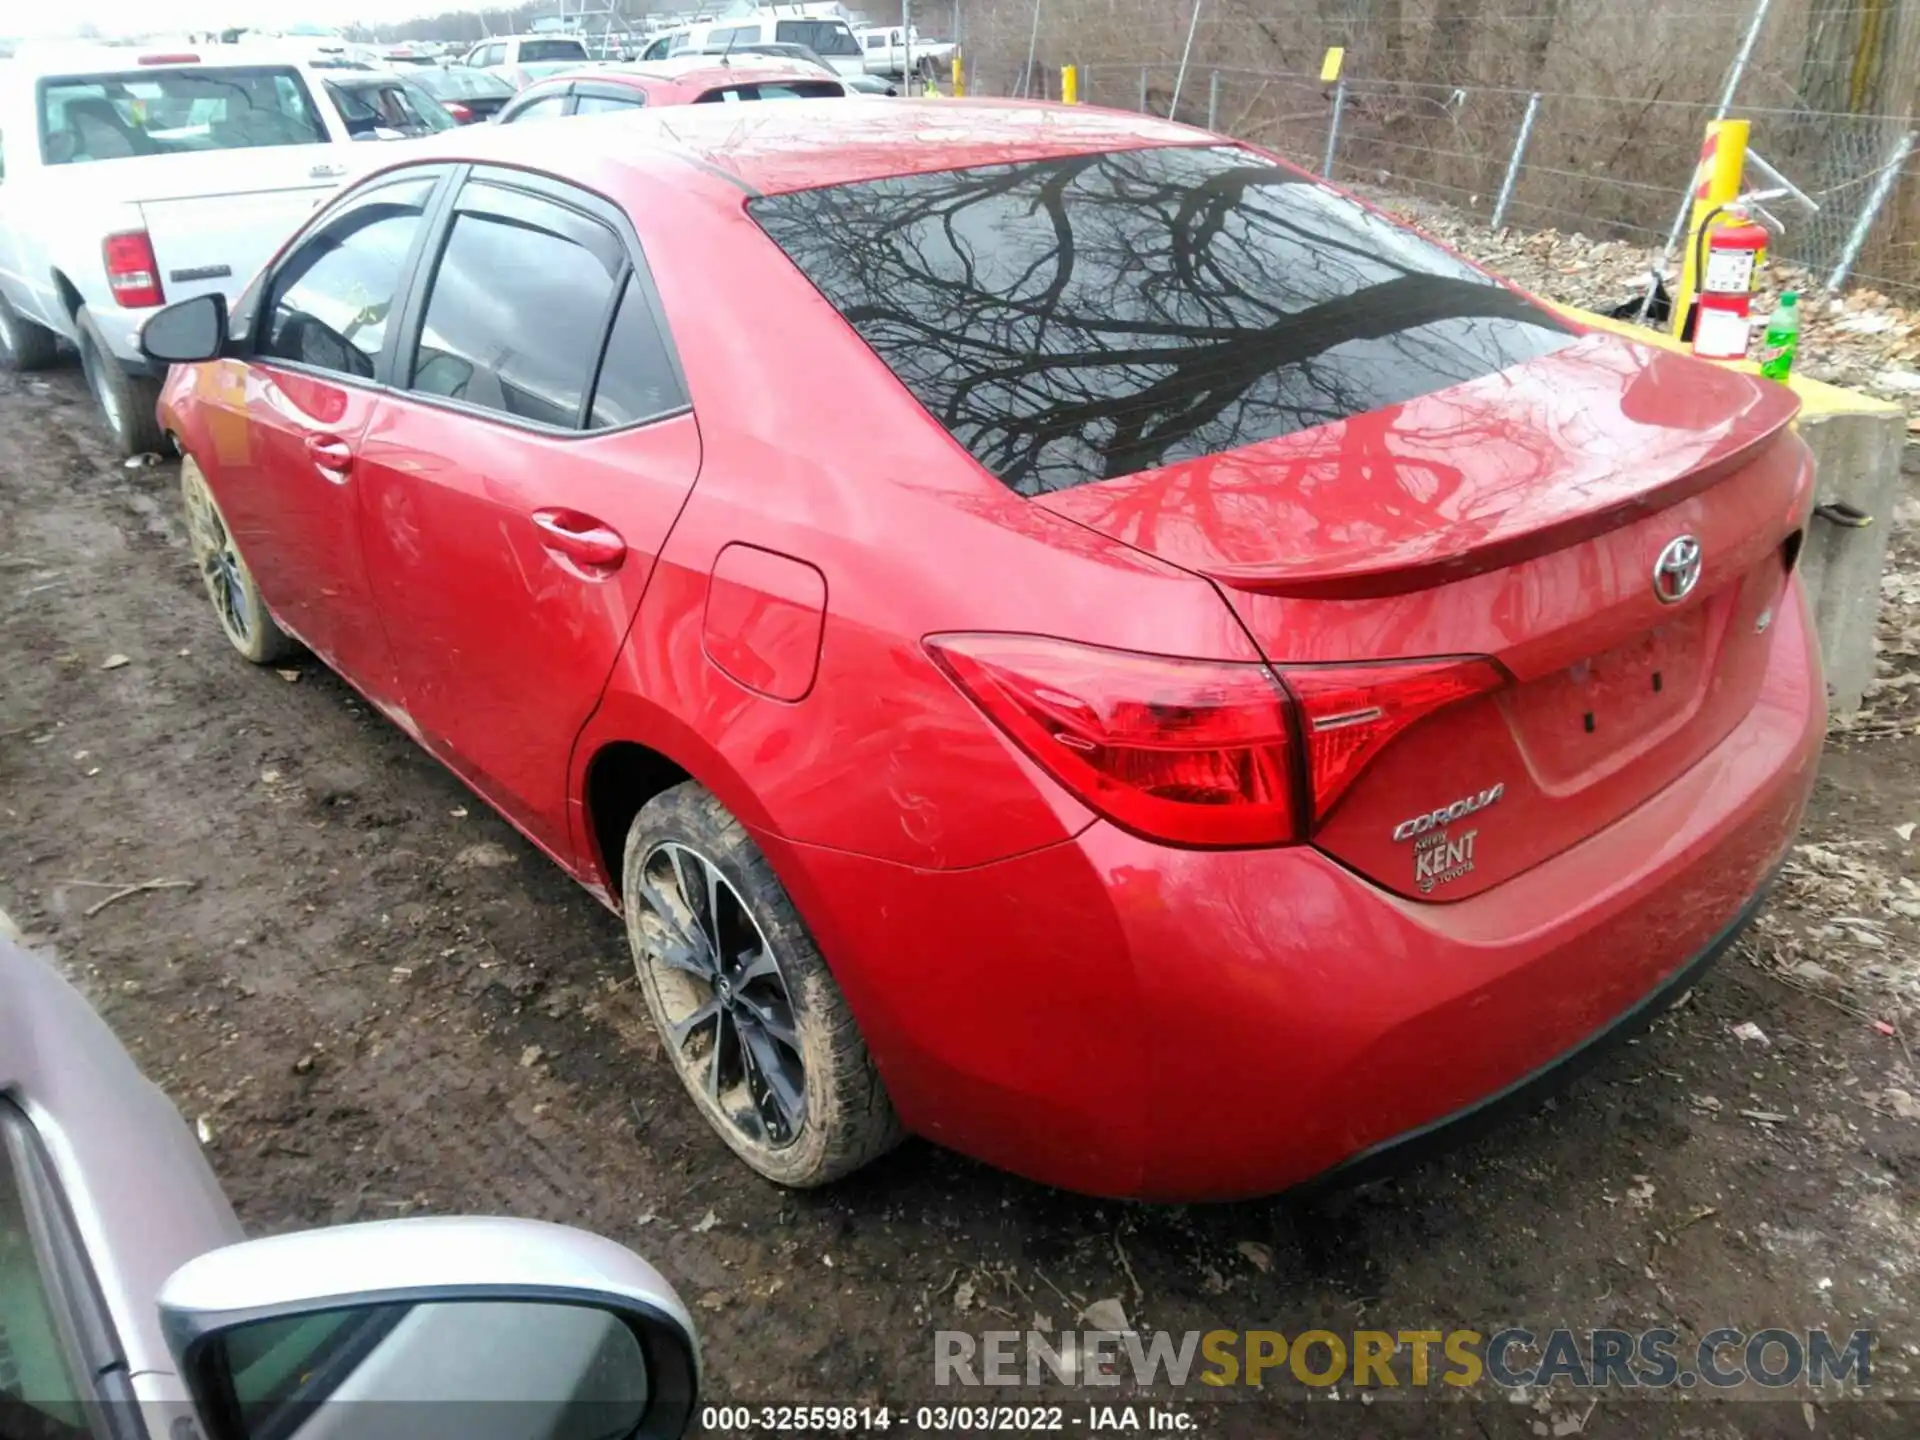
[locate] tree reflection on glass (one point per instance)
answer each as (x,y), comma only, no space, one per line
(1089,316)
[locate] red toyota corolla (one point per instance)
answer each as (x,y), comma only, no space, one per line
(1060,633)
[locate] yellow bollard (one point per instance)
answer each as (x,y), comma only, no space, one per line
(1716,181)
(1070,84)
(959,76)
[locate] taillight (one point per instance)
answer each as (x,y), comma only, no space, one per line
(1203,753)
(133,275)
(1349,712)
(1193,752)
(457,110)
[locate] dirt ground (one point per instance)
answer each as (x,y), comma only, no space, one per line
(378,1000)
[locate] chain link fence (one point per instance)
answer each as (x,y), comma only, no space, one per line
(1611,98)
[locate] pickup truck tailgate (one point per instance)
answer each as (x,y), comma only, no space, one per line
(213,231)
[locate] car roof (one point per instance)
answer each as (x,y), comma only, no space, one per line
(807,144)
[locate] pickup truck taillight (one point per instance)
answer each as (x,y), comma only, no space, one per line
(132,273)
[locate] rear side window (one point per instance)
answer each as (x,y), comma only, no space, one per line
(331,300)
(518,307)
(637,378)
(1090,316)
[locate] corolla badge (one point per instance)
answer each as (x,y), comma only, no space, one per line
(1447,814)
(1677,570)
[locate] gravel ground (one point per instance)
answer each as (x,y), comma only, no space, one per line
(380,1001)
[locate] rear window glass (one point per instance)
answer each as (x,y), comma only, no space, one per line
(773,90)
(166,112)
(823,37)
(463,84)
(534,50)
(1090,316)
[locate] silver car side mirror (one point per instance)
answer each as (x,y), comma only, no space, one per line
(463,1328)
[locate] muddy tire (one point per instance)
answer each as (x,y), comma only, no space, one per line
(24,345)
(127,401)
(236,599)
(747,1011)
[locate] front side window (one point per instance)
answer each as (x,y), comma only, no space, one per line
(39,1392)
(168,112)
(331,302)
(517,309)
(1091,316)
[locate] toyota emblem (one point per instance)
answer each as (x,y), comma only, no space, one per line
(1677,570)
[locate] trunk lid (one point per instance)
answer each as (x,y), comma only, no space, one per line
(1518,516)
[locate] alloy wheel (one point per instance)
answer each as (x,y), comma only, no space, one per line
(219,562)
(730,1017)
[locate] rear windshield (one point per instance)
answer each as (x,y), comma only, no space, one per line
(551,50)
(166,112)
(463,84)
(773,90)
(1090,316)
(823,37)
(388,105)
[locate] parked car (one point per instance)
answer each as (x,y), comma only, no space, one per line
(409,57)
(857,84)
(886,51)
(131,1299)
(522,59)
(829,37)
(380,105)
(689,80)
(133,179)
(467,95)
(1259,690)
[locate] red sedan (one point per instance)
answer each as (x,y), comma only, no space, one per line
(1060,633)
(689,80)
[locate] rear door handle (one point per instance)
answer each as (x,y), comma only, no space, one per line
(330,453)
(580,538)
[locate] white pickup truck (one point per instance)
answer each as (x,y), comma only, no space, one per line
(885,49)
(130,180)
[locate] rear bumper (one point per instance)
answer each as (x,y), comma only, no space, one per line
(1523,1094)
(1114,1016)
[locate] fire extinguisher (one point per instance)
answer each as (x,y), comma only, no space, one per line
(1727,264)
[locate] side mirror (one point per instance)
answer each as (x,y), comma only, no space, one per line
(486,1329)
(187,331)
